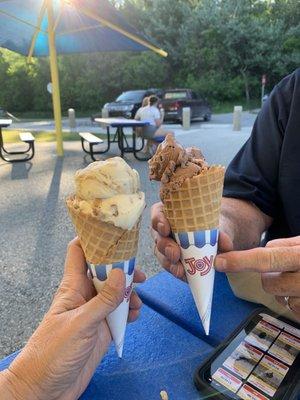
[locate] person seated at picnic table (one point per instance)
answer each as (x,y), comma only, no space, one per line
(261,195)
(151,113)
(145,102)
(61,356)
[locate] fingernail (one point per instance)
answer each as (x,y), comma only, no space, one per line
(220,263)
(169,252)
(161,228)
(174,269)
(144,274)
(140,303)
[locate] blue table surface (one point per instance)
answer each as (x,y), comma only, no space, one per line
(173,299)
(158,355)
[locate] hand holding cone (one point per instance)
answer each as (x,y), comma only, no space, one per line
(191,193)
(106,212)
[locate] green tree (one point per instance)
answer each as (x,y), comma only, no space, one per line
(219,48)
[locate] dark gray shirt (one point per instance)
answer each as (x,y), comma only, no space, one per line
(266,170)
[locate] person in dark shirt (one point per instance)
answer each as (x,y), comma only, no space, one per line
(261,194)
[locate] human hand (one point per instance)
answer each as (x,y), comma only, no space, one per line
(167,250)
(61,356)
(279,265)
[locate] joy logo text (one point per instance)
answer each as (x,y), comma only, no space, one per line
(203,265)
(128,291)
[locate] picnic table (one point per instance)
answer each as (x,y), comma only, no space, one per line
(120,137)
(26,137)
(164,347)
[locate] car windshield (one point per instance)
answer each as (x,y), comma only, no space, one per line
(135,96)
(175,95)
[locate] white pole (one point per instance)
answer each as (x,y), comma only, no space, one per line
(186,118)
(72,119)
(237,117)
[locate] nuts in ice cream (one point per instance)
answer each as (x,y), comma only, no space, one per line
(110,191)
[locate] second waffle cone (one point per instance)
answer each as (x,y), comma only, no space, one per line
(196,205)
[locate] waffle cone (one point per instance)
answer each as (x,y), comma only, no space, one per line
(103,243)
(196,205)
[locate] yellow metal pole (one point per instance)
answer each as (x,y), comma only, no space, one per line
(55,80)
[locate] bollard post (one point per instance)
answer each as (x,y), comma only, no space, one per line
(186,118)
(104,113)
(237,118)
(72,119)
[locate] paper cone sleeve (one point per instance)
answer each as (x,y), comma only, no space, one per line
(103,243)
(196,205)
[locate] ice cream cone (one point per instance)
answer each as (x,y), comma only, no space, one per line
(196,205)
(106,247)
(193,213)
(102,242)
(198,250)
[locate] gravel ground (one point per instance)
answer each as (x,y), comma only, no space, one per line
(35,227)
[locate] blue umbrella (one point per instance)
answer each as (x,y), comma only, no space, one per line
(38,28)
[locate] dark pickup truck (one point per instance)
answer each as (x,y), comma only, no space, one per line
(174,100)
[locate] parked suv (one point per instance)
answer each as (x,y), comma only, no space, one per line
(127,104)
(174,100)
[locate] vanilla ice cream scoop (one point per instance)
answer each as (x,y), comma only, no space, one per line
(104,179)
(110,191)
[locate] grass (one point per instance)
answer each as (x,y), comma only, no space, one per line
(37,115)
(227,107)
(12,136)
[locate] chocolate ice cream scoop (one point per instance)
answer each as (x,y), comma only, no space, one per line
(173,181)
(195,153)
(172,165)
(169,151)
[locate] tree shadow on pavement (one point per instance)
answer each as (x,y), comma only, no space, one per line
(44,255)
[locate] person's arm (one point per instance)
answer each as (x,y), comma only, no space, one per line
(252,203)
(158,123)
(61,356)
(138,115)
(7,386)
(279,266)
(243,222)
(241,227)
(158,117)
(14,387)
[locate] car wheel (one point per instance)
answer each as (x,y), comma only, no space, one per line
(207,117)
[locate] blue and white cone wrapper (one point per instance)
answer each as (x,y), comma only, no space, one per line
(117,320)
(198,251)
